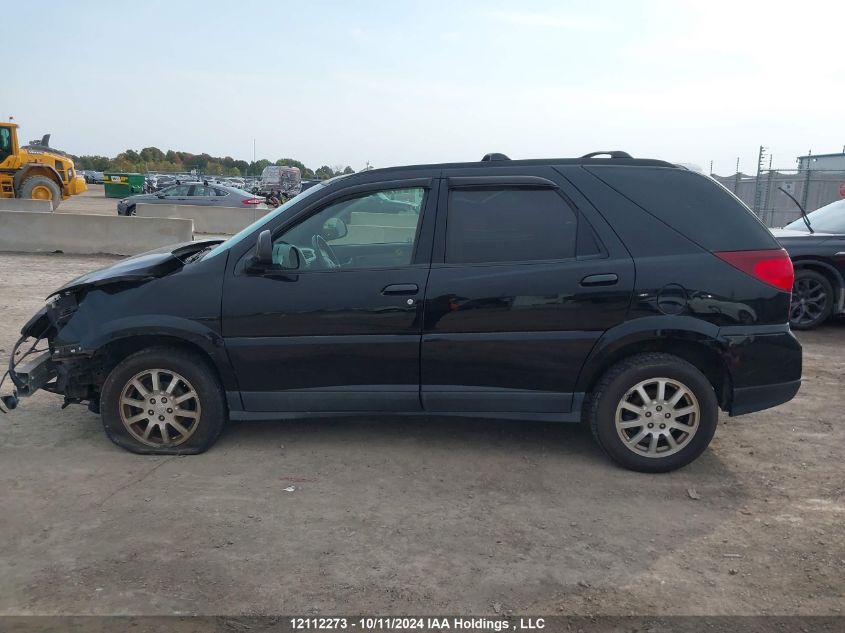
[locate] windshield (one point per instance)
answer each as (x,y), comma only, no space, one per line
(828,219)
(262,220)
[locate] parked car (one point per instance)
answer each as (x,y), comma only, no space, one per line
(94,177)
(591,289)
(818,254)
(238,183)
(192,193)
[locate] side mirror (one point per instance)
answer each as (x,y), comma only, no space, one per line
(334,229)
(286,256)
(264,249)
(160,196)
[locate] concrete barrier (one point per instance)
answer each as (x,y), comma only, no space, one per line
(28,232)
(24,204)
(215,220)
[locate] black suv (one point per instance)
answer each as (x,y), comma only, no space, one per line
(634,295)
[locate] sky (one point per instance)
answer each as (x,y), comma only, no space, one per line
(396,82)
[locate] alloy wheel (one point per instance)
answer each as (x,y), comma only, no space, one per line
(808,301)
(159,407)
(657,417)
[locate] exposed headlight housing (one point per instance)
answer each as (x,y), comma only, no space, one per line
(61,308)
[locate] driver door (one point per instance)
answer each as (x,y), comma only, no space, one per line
(341,332)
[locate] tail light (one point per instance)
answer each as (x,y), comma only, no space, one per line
(252,201)
(771,266)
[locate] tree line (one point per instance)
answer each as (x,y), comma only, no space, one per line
(153,159)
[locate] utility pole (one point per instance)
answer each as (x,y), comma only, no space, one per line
(769,178)
(736,177)
(805,192)
(759,187)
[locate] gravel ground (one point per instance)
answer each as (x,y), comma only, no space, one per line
(93,201)
(391,515)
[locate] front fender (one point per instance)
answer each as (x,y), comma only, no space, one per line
(164,327)
(37,168)
(160,325)
(813,262)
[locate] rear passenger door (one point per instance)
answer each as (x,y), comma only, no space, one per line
(202,195)
(522,285)
(223,198)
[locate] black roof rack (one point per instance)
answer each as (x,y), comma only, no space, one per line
(612,154)
(500,160)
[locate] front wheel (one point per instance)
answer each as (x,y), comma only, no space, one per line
(41,188)
(812,300)
(653,412)
(163,401)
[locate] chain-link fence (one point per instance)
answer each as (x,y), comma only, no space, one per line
(813,188)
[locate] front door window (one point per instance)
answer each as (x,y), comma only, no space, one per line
(374,230)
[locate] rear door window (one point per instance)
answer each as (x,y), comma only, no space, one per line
(509,225)
(202,191)
(177,191)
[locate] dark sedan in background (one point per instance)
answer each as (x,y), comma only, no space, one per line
(817,249)
(93,177)
(192,193)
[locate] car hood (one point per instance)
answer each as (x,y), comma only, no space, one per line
(149,265)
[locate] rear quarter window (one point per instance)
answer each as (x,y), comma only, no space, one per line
(694,205)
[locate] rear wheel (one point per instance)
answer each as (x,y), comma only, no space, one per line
(653,412)
(812,300)
(163,401)
(40,188)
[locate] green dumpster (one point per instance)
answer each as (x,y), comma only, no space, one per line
(122,184)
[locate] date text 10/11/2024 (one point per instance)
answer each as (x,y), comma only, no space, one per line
(416,624)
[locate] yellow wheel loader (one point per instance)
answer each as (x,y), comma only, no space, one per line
(36,170)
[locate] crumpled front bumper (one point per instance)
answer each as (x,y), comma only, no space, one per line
(33,373)
(33,369)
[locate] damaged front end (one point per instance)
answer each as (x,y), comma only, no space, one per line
(36,363)
(56,351)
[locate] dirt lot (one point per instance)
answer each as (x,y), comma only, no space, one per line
(417,516)
(93,201)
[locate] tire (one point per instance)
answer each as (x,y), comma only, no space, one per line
(131,211)
(812,300)
(204,413)
(616,395)
(39,184)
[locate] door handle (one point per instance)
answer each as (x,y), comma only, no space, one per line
(400,289)
(607,279)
